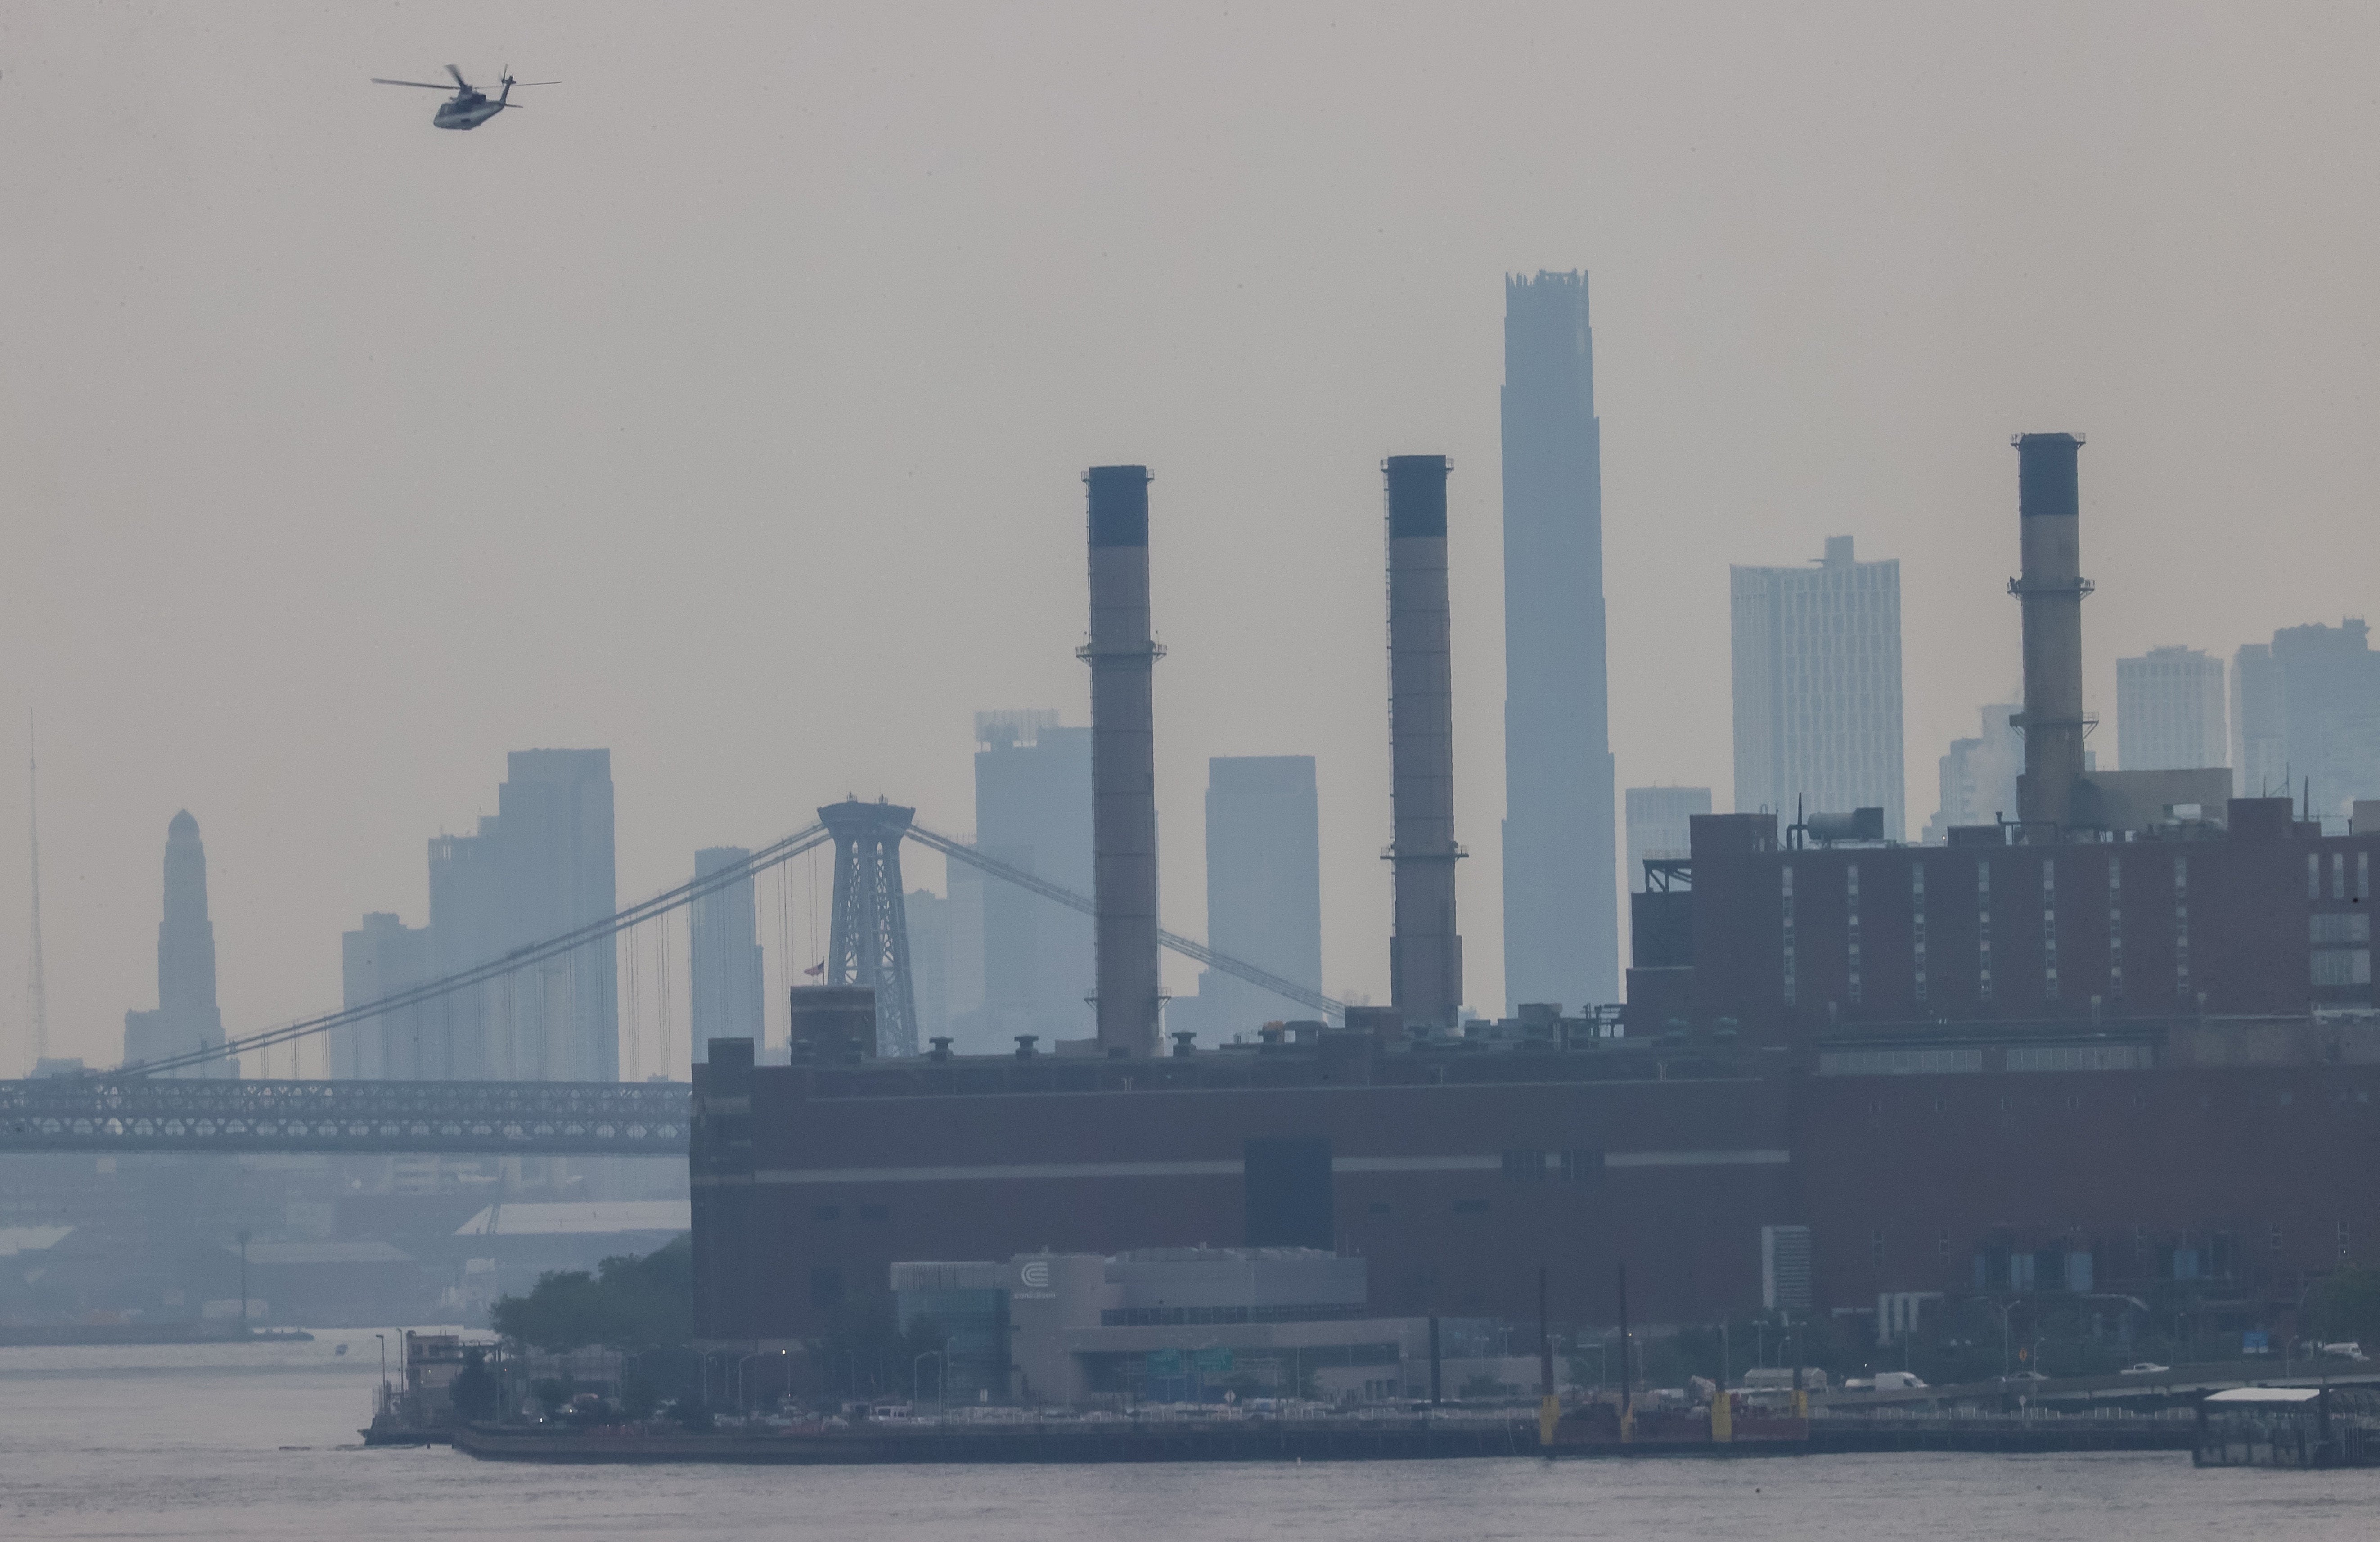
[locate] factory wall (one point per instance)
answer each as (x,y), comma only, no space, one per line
(1455,1196)
(2090,932)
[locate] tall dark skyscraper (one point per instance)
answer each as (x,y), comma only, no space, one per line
(185,1017)
(1561,909)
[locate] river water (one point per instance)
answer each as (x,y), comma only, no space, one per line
(259,1440)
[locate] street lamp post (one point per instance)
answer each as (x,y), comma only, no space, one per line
(2003,1308)
(243,1282)
(743,1385)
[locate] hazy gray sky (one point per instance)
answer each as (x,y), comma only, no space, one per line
(727,406)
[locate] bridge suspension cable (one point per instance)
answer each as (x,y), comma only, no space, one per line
(507,965)
(1222,962)
(503,966)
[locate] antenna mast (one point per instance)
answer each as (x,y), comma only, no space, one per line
(37,1002)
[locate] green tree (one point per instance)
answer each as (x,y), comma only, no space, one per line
(629,1303)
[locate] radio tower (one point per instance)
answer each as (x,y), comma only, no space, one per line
(37,1002)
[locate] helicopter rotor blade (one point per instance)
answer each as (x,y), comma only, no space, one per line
(536,82)
(459,78)
(425,85)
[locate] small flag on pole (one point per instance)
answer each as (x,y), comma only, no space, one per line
(816,970)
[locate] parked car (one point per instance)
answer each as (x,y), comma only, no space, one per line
(2146,1367)
(2025,1376)
(2348,1350)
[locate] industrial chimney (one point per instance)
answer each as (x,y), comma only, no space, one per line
(2051,591)
(1123,763)
(1425,954)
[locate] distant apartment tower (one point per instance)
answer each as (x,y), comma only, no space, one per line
(2306,708)
(928,915)
(1264,892)
(1818,686)
(2169,712)
(539,867)
(1659,825)
(376,961)
(554,809)
(1979,775)
(723,953)
(1032,810)
(186,1018)
(1562,907)
(2260,731)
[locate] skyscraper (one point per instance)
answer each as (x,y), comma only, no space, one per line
(377,960)
(2309,710)
(467,928)
(1818,686)
(554,815)
(187,1017)
(1264,891)
(2169,712)
(928,915)
(724,951)
(1032,810)
(1979,774)
(1660,825)
(2260,746)
(539,867)
(1562,907)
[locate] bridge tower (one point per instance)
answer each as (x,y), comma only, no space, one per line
(868,942)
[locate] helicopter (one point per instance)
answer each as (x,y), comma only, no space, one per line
(471,106)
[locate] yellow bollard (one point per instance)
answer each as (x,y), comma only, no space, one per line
(1723,1419)
(1549,1415)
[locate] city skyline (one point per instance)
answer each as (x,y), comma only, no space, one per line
(280,490)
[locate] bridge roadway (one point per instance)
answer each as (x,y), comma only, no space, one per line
(122,1114)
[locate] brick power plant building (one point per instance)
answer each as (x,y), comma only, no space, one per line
(2130,1038)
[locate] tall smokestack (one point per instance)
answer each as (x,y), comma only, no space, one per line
(1425,954)
(2051,591)
(1123,761)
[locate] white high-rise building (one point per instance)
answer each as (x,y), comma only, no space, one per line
(1818,686)
(2169,712)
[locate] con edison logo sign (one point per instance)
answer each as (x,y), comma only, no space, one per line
(1033,1276)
